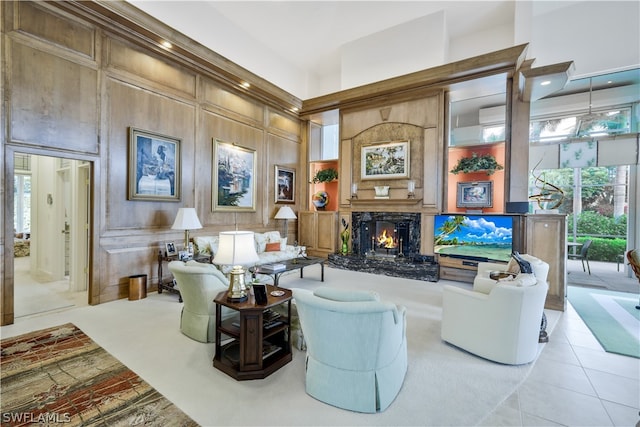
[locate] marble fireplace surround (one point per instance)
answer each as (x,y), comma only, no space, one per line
(410,264)
(363,226)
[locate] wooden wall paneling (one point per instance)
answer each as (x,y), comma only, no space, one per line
(42,23)
(124,57)
(347,174)
(36,98)
(224,102)
(431,183)
(130,106)
(283,125)
(214,127)
(280,152)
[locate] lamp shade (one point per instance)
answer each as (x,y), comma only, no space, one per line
(236,248)
(187,219)
(285,212)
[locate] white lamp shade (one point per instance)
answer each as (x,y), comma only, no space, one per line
(285,212)
(236,248)
(187,219)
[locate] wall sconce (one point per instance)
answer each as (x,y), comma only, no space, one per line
(411,189)
(354,190)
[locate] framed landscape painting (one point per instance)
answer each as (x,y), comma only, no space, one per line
(385,160)
(476,194)
(285,185)
(234,177)
(154,166)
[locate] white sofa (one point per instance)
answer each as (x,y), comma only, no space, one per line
(265,244)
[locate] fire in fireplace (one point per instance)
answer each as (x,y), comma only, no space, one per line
(385,233)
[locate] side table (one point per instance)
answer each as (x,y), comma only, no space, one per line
(259,345)
(170,286)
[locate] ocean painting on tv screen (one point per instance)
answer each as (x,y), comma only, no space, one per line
(483,236)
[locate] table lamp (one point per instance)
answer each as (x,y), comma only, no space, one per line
(236,248)
(285,213)
(187,219)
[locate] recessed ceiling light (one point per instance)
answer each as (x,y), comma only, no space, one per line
(294,109)
(166,44)
(609,82)
(545,83)
(245,85)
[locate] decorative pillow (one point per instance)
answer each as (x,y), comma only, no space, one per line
(261,242)
(206,245)
(272,247)
(283,244)
(272,236)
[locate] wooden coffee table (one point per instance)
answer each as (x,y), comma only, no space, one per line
(290,265)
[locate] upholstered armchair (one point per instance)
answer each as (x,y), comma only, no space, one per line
(502,325)
(483,283)
(199,283)
(356,347)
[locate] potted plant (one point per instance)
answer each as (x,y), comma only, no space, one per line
(485,163)
(325,175)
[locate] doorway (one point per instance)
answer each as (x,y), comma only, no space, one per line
(51,240)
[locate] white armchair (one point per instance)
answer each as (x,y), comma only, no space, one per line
(501,324)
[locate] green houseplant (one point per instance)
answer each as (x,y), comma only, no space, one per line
(485,163)
(325,175)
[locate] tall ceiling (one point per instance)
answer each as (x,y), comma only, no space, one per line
(307,36)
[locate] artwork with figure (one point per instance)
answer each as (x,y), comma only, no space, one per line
(234,186)
(156,162)
(285,185)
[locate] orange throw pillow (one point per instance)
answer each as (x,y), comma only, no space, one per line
(272,247)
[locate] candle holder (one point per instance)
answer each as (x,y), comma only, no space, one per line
(411,189)
(354,191)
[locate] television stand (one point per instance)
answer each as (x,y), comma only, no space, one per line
(457,269)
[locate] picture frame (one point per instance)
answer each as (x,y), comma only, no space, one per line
(285,185)
(234,177)
(185,256)
(154,163)
(171,249)
(385,160)
(476,194)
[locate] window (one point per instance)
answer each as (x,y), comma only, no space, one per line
(22,203)
(608,122)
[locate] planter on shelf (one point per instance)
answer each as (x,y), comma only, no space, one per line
(325,175)
(485,163)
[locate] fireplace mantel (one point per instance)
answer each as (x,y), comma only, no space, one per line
(360,202)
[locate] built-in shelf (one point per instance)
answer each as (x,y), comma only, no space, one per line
(406,201)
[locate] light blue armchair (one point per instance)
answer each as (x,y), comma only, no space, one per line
(199,283)
(356,347)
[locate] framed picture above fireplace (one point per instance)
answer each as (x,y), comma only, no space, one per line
(477,194)
(385,160)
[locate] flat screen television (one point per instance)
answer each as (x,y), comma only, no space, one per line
(477,237)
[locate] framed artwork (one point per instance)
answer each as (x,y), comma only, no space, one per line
(476,194)
(234,177)
(171,249)
(285,185)
(385,160)
(154,166)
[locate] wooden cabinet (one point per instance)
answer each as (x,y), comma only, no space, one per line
(547,240)
(318,231)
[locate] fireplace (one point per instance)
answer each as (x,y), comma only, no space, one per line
(385,234)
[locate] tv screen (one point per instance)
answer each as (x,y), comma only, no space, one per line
(474,236)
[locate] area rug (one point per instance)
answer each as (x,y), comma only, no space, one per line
(59,376)
(611,316)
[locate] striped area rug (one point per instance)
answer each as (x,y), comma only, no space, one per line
(60,376)
(611,316)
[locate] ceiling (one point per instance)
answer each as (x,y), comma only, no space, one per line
(308,35)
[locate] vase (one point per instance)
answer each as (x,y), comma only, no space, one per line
(345,243)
